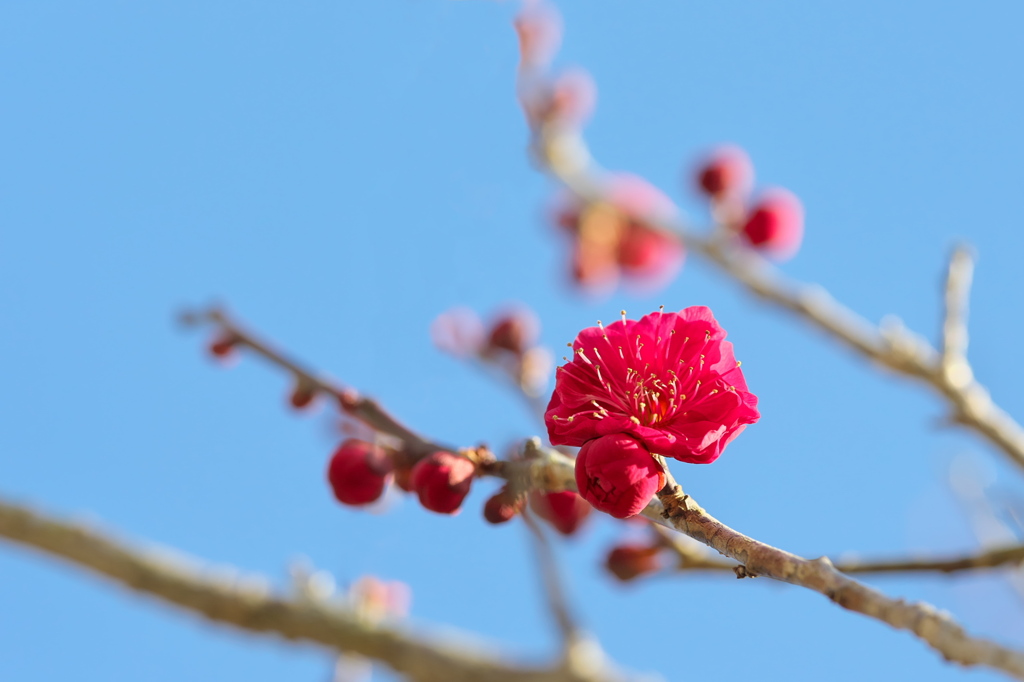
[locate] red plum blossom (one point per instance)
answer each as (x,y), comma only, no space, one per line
(669,379)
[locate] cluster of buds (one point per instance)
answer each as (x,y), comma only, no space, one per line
(614,238)
(360,472)
(773,223)
(565,511)
(549,101)
(508,343)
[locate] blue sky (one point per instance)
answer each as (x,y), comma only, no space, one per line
(339,175)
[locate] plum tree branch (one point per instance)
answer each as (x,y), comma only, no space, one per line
(947,372)
(364,409)
(936,628)
(247,603)
(679,512)
(547,469)
(1010,556)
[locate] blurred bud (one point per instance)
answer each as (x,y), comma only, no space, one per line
(651,256)
(572,99)
(223,346)
(776,224)
(539,27)
(375,598)
(442,481)
(612,237)
(514,331)
(503,506)
(627,562)
(565,510)
(567,101)
(358,472)
(458,331)
(403,478)
(726,172)
(302,395)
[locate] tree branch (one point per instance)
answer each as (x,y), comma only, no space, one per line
(547,469)
(349,400)
(565,155)
(1011,556)
(247,603)
(936,628)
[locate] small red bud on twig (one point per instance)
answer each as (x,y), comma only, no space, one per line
(627,562)
(442,481)
(503,506)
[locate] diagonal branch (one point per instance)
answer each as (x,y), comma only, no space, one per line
(681,513)
(248,604)
(349,400)
(1010,556)
(936,628)
(567,158)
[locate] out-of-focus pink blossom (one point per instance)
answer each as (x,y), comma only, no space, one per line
(612,237)
(458,331)
(566,101)
(539,27)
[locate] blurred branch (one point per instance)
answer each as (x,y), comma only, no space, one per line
(247,603)
(954,324)
(567,158)
(552,583)
(250,606)
(349,400)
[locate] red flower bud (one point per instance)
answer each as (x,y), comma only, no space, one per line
(502,506)
(649,254)
(514,331)
(776,224)
(631,561)
(223,346)
(442,481)
(726,172)
(565,510)
(302,396)
(403,478)
(617,475)
(358,472)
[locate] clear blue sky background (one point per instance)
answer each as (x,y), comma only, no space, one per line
(339,173)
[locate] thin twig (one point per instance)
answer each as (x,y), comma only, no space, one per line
(692,559)
(349,400)
(567,158)
(553,590)
(953,355)
(247,603)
